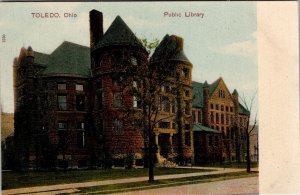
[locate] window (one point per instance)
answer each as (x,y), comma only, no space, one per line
(199,116)
(99,103)
(212,118)
(226,108)
(164,125)
(216,140)
(185,73)
(165,104)
(134,84)
(187,93)
(227,119)
(62,125)
(62,134)
(231,109)
(187,108)
(117,80)
(134,61)
(118,126)
(221,94)
(222,118)
(62,102)
(173,125)
(137,103)
(194,116)
(116,59)
(99,128)
(210,141)
(80,135)
(80,102)
(118,99)
(222,108)
(173,105)
(211,106)
(187,139)
(187,126)
(79,87)
(99,84)
(61,86)
(217,106)
(217,118)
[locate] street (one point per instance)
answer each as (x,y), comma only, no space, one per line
(247,185)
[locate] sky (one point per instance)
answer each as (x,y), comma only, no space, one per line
(222,43)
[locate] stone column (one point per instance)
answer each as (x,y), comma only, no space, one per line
(157,145)
(170,145)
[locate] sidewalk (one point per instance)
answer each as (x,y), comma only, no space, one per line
(60,188)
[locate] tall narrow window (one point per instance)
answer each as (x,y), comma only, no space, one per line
(187,108)
(80,102)
(217,118)
(173,105)
(199,116)
(118,99)
(222,118)
(80,135)
(118,126)
(62,134)
(194,116)
(166,104)
(62,102)
(134,61)
(212,118)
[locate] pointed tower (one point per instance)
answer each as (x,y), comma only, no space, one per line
(117,48)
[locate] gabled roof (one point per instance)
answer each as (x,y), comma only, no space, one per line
(197,90)
(119,34)
(170,49)
(200,128)
(68,59)
(214,85)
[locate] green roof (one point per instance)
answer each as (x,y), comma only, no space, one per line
(200,128)
(243,110)
(41,58)
(119,34)
(69,58)
(171,49)
(197,94)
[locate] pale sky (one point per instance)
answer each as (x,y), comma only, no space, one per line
(222,43)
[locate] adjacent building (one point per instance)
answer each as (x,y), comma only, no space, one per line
(70,104)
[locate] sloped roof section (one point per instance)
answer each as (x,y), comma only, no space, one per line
(170,49)
(197,90)
(41,58)
(243,110)
(69,58)
(214,85)
(200,128)
(119,34)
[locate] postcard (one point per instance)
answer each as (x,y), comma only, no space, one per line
(149,97)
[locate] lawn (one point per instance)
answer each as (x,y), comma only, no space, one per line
(13,179)
(114,188)
(232,165)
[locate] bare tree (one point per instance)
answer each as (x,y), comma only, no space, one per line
(249,129)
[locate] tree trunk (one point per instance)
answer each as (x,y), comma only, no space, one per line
(248,153)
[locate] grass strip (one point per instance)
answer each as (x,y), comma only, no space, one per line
(115,188)
(13,179)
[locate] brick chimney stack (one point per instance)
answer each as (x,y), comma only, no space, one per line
(96,27)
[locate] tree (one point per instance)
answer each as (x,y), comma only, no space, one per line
(249,129)
(146,84)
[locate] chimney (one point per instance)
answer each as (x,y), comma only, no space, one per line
(96,27)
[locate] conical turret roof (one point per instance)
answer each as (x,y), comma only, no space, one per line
(119,34)
(170,49)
